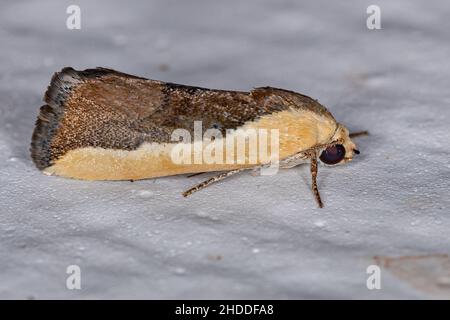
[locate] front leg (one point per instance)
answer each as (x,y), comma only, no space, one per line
(314,169)
(300,157)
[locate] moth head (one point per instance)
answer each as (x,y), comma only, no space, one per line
(341,149)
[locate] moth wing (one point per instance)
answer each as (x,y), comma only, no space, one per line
(95,107)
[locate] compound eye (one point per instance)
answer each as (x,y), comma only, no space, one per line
(333,154)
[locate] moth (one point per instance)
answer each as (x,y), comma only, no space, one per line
(101,124)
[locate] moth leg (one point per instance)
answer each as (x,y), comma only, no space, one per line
(359,133)
(211,180)
(314,169)
(312,155)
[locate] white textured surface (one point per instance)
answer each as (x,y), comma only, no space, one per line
(143,240)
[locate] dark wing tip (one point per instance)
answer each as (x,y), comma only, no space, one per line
(50,115)
(59,90)
(44,130)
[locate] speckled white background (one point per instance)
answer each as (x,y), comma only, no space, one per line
(143,240)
